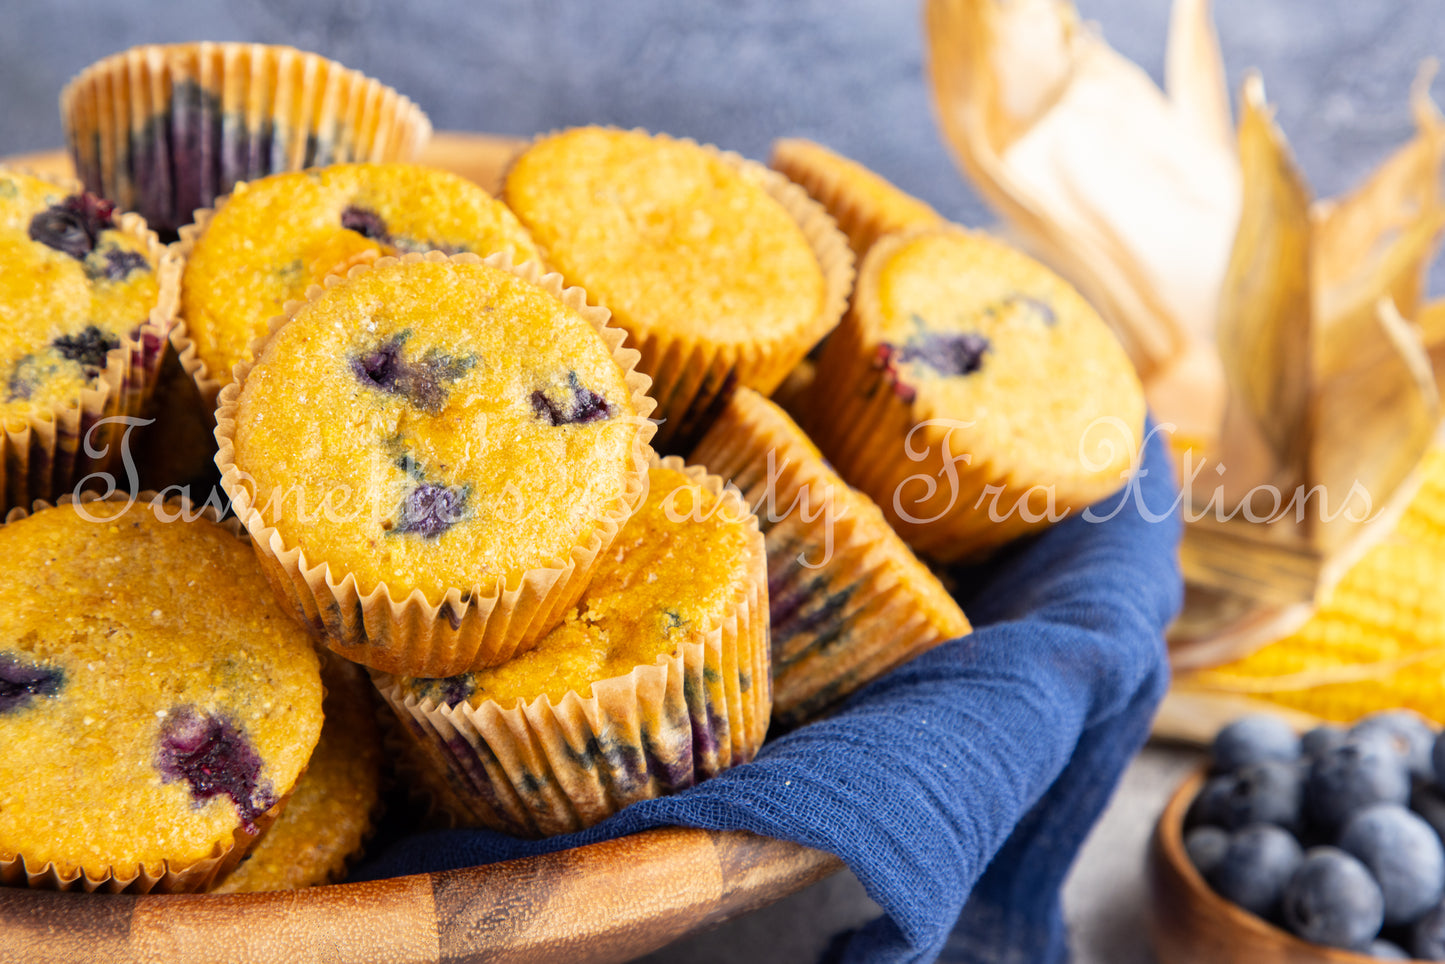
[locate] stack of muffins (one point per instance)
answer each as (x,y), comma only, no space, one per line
(433,415)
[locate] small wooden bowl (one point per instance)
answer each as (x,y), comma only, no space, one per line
(1194,925)
(606,902)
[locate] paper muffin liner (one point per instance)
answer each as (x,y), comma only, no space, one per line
(163,876)
(860,217)
(46,454)
(848,600)
(937,490)
(166,129)
(470,626)
(538,768)
(692,378)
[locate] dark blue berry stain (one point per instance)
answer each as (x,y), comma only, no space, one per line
(424,382)
(431,509)
(215,759)
(116,265)
(21,681)
(947,354)
(449,690)
(88,348)
(73,226)
(581,405)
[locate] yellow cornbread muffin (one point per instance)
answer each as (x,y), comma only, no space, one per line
(329,816)
(165,129)
(156,706)
(87,299)
(721,271)
(658,677)
(270,240)
(432,453)
(972,393)
(847,599)
(865,205)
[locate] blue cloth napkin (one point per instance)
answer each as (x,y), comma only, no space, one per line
(959,787)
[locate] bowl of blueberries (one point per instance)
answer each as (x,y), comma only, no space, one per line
(1322,847)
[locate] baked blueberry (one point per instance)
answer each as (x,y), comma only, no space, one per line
(1404,855)
(1362,771)
(947,354)
(1333,900)
(423,382)
(89,347)
(20,681)
(364,222)
(1254,739)
(448,690)
(117,264)
(1408,732)
(73,226)
(214,758)
(1259,860)
(431,509)
(581,405)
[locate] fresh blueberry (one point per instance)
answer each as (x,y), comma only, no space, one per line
(20,681)
(1333,900)
(1205,847)
(1259,861)
(1208,808)
(581,405)
(1437,756)
(1383,950)
(1427,937)
(214,758)
(1269,792)
(73,226)
(364,222)
(430,510)
(1321,740)
(88,348)
(1364,770)
(947,354)
(423,382)
(1254,739)
(1408,732)
(1428,801)
(1404,855)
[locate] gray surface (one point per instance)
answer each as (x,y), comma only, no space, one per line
(1106,900)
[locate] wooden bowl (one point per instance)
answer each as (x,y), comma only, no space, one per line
(1194,925)
(605,902)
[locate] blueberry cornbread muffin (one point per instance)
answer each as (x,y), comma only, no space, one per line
(432,454)
(272,239)
(165,129)
(87,299)
(865,205)
(848,601)
(657,678)
(972,393)
(156,706)
(330,814)
(721,272)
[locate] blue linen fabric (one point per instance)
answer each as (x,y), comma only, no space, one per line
(959,787)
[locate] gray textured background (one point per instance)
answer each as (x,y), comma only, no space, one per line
(739,73)
(846,72)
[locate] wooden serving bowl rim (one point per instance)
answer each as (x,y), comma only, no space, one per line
(1174,876)
(608,901)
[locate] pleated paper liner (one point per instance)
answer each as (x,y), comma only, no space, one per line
(848,600)
(337,802)
(46,454)
(163,876)
(865,205)
(469,626)
(538,768)
(692,377)
(166,129)
(948,496)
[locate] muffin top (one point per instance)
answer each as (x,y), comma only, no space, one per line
(668,234)
(970,330)
(74,287)
(431,424)
(155,696)
(674,573)
(328,816)
(273,238)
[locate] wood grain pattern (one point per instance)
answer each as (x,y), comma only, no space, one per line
(1194,925)
(603,903)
